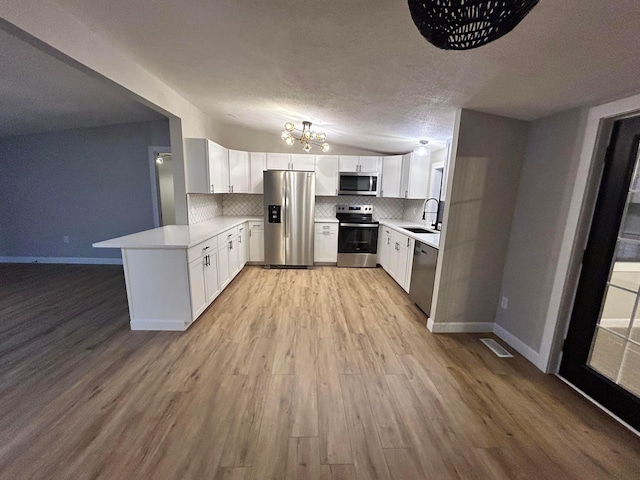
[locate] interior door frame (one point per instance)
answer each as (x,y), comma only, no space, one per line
(153,150)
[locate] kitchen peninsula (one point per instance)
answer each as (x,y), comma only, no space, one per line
(173,273)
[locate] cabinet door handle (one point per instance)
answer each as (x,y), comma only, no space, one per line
(230,245)
(408,242)
(205,248)
(406,193)
(211,188)
(388,241)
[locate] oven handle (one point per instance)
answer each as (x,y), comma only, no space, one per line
(358,225)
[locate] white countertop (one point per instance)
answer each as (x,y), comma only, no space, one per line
(326,220)
(175,236)
(432,239)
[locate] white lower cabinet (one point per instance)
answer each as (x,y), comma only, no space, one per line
(256,242)
(224,274)
(197,287)
(234,256)
(325,248)
(395,255)
(243,240)
(204,286)
(384,246)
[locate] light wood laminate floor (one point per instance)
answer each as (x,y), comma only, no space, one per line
(322,374)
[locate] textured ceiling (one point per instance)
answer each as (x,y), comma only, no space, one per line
(41,93)
(361,70)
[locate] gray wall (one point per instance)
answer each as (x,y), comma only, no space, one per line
(89,184)
(553,151)
(480,203)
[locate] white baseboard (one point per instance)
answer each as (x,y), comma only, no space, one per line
(159,325)
(63,260)
(522,348)
(459,327)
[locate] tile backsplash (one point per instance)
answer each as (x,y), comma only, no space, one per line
(382,207)
(413,212)
(204,207)
(242,204)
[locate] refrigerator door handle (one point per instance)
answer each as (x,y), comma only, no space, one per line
(286,210)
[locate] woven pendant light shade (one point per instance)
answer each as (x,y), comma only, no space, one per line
(466,24)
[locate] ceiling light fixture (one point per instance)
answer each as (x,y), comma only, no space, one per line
(421,148)
(161,156)
(306,136)
(467,24)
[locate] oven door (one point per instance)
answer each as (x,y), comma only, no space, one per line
(358,238)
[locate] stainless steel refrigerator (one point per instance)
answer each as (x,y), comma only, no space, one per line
(289,204)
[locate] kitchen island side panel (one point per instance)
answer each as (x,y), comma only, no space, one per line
(157,288)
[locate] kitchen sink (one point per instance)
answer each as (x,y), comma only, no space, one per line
(418,230)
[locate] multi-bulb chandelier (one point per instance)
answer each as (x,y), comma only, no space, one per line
(306,136)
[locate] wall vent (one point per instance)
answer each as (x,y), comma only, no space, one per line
(496,348)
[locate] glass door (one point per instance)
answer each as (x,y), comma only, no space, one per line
(601,355)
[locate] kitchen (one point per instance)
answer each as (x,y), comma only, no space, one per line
(232,241)
(328,371)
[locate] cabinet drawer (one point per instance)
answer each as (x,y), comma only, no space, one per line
(227,235)
(202,249)
(326,228)
(256,225)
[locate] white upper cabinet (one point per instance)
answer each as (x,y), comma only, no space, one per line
(405,176)
(352,163)
(349,163)
(258,164)
(392,177)
(327,175)
(303,161)
(370,164)
(219,166)
(238,171)
(207,165)
(294,161)
(278,161)
(415,175)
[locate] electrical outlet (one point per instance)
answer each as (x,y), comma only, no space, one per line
(65,239)
(504,303)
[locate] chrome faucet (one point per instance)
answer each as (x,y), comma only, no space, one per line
(424,211)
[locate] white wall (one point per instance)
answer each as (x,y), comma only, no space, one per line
(88,184)
(482,187)
(544,195)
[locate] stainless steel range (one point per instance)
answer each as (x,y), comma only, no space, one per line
(357,236)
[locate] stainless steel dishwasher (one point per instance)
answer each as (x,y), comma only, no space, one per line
(423,275)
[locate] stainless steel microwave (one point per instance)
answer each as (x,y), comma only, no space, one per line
(358,183)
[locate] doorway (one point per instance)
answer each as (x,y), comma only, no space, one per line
(601,354)
(162,192)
